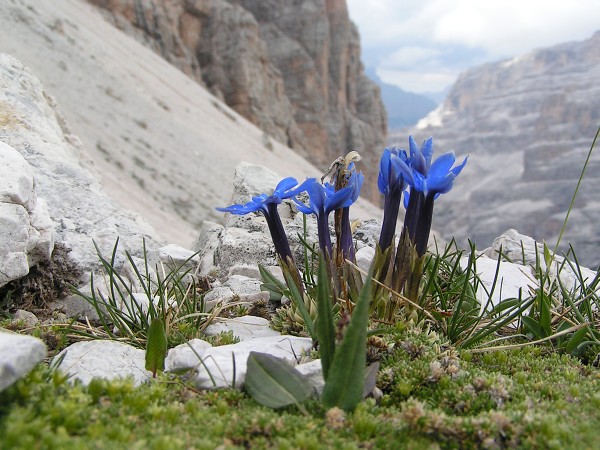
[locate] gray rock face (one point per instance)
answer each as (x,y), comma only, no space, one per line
(527,124)
(291,68)
(18,355)
(26,230)
(39,150)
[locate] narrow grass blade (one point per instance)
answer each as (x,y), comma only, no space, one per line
(324,323)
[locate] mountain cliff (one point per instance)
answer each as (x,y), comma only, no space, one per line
(527,124)
(291,68)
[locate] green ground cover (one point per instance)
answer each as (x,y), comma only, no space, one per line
(433,397)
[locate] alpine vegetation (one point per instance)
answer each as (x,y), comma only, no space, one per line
(343,303)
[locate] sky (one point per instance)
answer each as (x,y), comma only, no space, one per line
(422,45)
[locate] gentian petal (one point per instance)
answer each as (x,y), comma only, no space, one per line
(339,199)
(242,209)
(441,166)
(284,185)
(383,180)
(316,193)
(381,183)
(356,181)
(302,207)
(402,169)
(456,170)
(427,151)
(302,188)
(419,182)
(440,185)
(417,159)
(406,198)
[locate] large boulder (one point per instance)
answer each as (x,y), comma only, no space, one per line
(51,190)
(26,230)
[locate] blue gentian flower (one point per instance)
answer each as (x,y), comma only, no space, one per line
(267,205)
(428,181)
(392,180)
(440,176)
(323,199)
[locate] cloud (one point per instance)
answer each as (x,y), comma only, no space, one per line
(448,36)
(429,81)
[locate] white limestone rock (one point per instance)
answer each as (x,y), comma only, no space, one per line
(26,230)
(208,242)
(364,257)
(513,281)
(218,362)
(251,180)
(313,371)
(186,356)
(176,256)
(522,249)
(64,176)
(110,360)
(237,288)
(244,327)
(243,286)
(368,231)
(246,270)
(218,295)
(18,355)
(241,246)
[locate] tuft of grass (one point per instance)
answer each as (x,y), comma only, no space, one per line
(171,293)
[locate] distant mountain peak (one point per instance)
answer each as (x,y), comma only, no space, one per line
(403,108)
(527,123)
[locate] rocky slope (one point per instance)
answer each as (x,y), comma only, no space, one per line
(291,68)
(160,143)
(527,124)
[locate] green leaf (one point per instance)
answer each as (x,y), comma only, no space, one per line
(503,305)
(576,339)
(325,327)
(533,327)
(547,256)
(156,347)
(270,279)
(345,382)
(545,315)
(273,382)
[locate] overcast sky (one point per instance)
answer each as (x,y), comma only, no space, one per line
(422,45)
